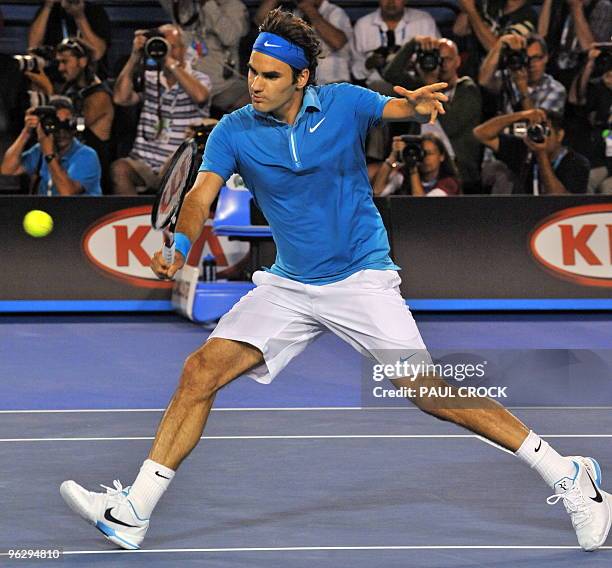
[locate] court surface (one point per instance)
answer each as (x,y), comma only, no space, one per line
(294,474)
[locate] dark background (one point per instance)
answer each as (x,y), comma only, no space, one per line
(463,247)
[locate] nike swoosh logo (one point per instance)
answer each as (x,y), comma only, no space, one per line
(539,446)
(598,498)
(109,517)
(317,125)
(271,44)
(160,475)
(406,358)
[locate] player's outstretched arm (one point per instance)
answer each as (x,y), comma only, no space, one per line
(424,103)
(193,215)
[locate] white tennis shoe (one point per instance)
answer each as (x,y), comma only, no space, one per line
(587,504)
(111,513)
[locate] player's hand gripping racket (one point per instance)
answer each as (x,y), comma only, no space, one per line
(175,183)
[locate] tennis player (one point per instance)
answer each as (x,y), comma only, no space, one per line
(300,149)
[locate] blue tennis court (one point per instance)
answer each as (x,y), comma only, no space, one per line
(297,473)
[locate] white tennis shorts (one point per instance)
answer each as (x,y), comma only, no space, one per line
(281,317)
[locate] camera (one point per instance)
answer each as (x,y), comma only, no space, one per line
(156,48)
(413,153)
(513,59)
(30,63)
(48,118)
(538,132)
(428,60)
(49,122)
(535,132)
(36,60)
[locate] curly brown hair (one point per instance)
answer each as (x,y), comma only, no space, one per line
(297,31)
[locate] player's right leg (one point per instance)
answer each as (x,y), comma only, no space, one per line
(122,515)
(214,365)
(267,328)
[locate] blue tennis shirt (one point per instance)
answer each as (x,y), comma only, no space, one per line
(310,180)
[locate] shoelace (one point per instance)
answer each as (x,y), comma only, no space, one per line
(118,488)
(575,505)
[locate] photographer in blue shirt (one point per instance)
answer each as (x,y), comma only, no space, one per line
(59,164)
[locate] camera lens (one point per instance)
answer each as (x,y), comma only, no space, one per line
(537,133)
(27,63)
(413,152)
(429,60)
(513,59)
(156,48)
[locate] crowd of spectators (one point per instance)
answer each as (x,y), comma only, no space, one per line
(529,87)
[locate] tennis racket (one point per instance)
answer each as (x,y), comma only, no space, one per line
(175,183)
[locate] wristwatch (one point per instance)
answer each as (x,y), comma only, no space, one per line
(50,157)
(391,164)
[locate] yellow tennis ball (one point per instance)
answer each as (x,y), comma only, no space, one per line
(37,223)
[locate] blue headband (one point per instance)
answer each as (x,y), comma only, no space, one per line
(281,49)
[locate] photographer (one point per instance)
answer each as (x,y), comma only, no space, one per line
(489,19)
(213,30)
(174,97)
(61,164)
(333,28)
(91,97)
(591,92)
(425,60)
(419,166)
(516,67)
(61,19)
(570,29)
(541,164)
(379,35)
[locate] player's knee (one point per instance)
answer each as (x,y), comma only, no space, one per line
(198,379)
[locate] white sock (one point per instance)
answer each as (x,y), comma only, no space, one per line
(539,455)
(152,481)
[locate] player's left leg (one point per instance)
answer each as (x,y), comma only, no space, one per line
(368,312)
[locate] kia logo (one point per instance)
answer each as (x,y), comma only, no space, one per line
(576,244)
(121,244)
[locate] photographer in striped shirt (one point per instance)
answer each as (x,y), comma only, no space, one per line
(174,98)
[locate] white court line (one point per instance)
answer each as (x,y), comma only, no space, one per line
(287,409)
(323,548)
(295,437)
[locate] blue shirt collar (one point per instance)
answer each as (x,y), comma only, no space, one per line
(310,100)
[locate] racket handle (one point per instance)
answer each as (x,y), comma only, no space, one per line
(168,253)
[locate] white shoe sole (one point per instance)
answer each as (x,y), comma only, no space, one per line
(70,492)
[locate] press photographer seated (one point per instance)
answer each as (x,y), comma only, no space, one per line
(174,96)
(534,152)
(418,166)
(59,164)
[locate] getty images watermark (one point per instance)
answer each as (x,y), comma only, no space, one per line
(519,377)
(418,376)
